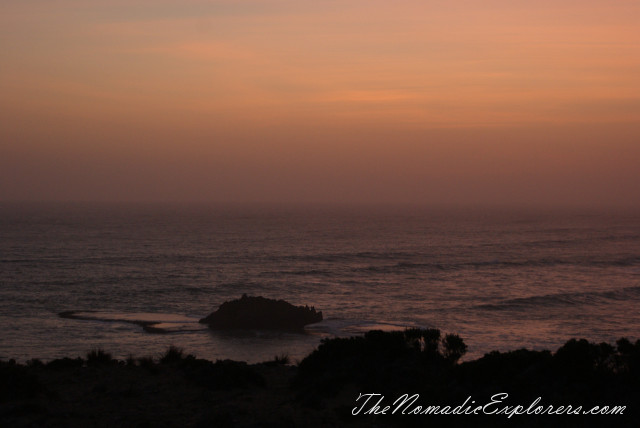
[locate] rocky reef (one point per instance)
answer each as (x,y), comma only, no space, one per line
(258,312)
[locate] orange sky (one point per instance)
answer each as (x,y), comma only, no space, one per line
(499,101)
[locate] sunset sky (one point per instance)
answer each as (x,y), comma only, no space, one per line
(429,102)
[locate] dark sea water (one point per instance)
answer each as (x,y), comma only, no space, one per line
(502,279)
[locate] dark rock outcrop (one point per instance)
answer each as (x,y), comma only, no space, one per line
(260,313)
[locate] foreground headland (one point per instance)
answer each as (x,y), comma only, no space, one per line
(345,382)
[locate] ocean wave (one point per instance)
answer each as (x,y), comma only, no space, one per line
(564,299)
(347,256)
(150,322)
(345,327)
(302,272)
(573,241)
(497,264)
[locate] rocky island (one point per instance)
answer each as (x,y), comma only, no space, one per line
(257,312)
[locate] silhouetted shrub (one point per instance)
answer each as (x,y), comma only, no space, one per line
(503,368)
(578,358)
(628,359)
(173,355)
(278,360)
(624,346)
(131,360)
(223,374)
(99,357)
(34,362)
(65,363)
(454,348)
(146,361)
(408,357)
(431,339)
(604,358)
(149,364)
(574,357)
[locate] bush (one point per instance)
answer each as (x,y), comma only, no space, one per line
(65,363)
(410,356)
(131,361)
(223,374)
(34,362)
(278,360)
(149,364)
(503,368)
(454,348)
(172,355)
(99,357)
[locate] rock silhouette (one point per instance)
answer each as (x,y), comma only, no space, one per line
(258,312)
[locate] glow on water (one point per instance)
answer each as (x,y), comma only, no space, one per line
(501,279)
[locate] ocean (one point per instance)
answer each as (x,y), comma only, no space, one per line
(502,279)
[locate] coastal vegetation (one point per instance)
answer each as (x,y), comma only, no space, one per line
(179,389)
